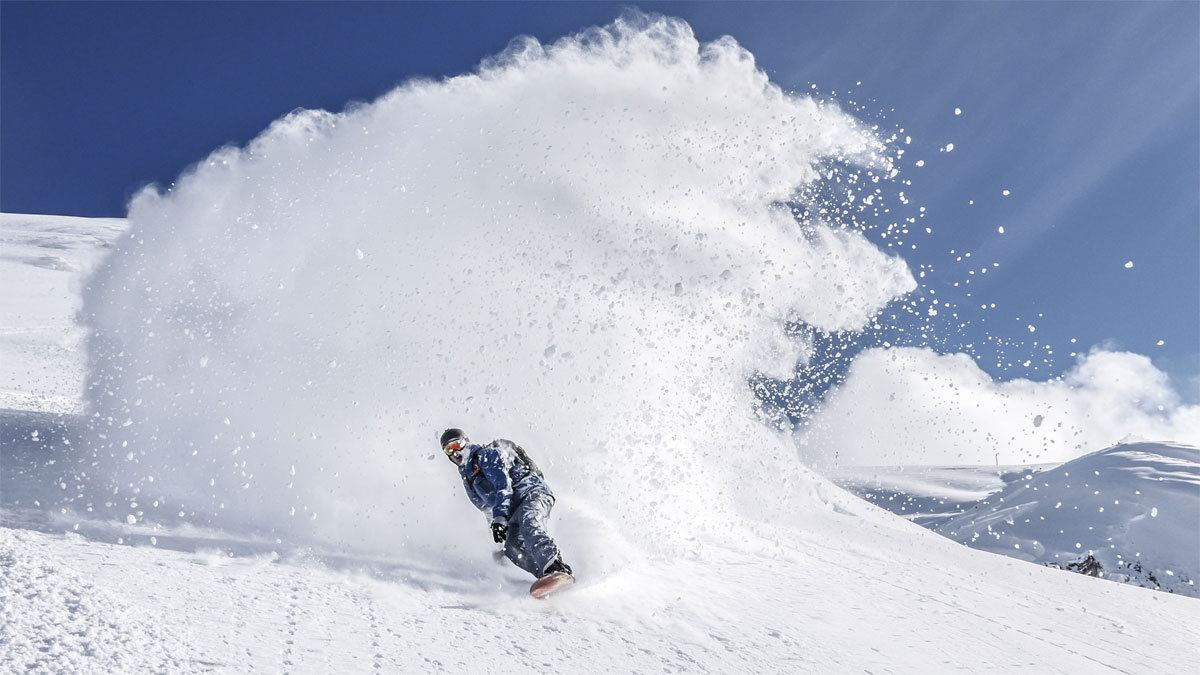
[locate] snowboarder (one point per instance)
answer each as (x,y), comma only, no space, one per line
(500,478)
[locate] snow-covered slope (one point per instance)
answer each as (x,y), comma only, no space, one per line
(844,587)
(1133,508)
(43,261)
(853,590)
(927,495)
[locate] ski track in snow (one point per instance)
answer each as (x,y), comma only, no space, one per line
(54,620)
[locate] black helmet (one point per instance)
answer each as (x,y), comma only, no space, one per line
(451,434)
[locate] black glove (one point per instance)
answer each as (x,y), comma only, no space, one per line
(499,532)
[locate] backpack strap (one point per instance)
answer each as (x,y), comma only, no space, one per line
(528,462)
(521,455)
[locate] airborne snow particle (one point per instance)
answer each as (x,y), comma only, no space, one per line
(1000,229)
(1005,193)
(1129,265)
(131,519)
(957,111)
(1154,512)
(920,162)
(309,322)
(1160,343)
(949,147)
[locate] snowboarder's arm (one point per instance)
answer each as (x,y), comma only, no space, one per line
(474,496)
(496,473)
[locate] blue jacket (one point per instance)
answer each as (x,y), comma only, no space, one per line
(495,478)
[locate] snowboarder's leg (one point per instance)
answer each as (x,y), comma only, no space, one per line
(537,547)
(514,545)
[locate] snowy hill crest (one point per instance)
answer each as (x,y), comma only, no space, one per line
(1127,513)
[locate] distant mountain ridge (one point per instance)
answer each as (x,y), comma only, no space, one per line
(1127,513)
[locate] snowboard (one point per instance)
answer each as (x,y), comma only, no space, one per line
(550,583)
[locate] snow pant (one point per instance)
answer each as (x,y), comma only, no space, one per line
(528,545)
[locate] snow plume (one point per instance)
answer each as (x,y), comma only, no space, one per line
(913,406)
(582,247)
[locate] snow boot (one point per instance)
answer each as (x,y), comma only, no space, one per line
(558,566)
(556,576)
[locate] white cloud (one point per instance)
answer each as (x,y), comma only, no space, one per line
(913,406)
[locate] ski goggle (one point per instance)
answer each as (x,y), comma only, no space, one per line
(455,445)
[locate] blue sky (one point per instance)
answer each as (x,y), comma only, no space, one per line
(1088,113)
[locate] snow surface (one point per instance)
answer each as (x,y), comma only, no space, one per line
(854,590)
(43,262)
(843,587)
